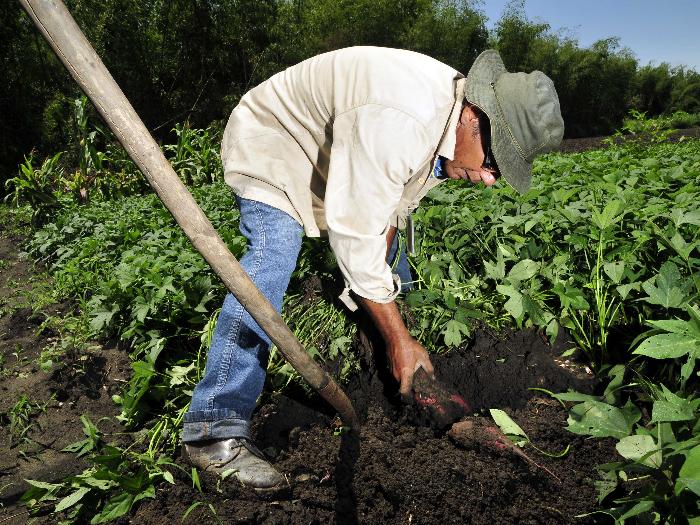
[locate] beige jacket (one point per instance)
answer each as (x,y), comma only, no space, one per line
(345,142)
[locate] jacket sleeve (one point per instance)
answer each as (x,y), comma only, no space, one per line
(374,152)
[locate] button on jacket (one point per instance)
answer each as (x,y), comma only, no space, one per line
(345,143)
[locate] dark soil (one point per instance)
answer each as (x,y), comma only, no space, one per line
(400,470)
(81,383)
(588,143)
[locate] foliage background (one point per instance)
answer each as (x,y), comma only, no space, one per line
(191,60)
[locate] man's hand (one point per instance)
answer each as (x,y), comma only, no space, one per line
(405,354)
(404,360)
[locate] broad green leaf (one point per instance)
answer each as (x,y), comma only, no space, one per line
(597,419)
(690,217)
(339,346)
(101,484)
(689,474)
(141,311)
(178,374)
(116,507)
(625,289)
(81,447)
(102,317)
(688,367)
(605,486)
(514,305)
(571,297)
(637,447)
(681,247)
(665,289)
(535,311)
(495,271)
(612,213)
(453,332)
(72,499)
(667,346)
(523,270)
(575,397)
(43,484)
(671,408)
(614,270)
(672,325)
(508,426)
(617,376)
(640,508)
(148,492)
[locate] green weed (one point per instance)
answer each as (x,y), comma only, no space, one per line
(660,471)
(20,418)
(35,186)
(195,156)
(117,480)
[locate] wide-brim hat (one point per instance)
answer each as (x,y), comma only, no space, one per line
(524,114)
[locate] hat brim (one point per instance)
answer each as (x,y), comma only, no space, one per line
(481,79)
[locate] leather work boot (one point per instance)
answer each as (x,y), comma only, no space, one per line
(241,456)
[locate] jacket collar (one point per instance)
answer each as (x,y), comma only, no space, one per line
(446,147)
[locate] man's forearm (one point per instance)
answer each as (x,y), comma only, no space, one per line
(404,353)
(387,319)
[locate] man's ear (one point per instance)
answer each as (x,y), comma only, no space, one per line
(467,115)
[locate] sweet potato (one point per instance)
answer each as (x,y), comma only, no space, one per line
(475,432)
(442,406)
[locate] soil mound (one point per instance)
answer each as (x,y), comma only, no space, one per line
(402,471)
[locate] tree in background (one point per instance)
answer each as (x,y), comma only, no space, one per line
(31,80)
(663,89)
(594,84)
(191,61)
(448,30)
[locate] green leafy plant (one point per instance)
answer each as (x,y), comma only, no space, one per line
(660,471)
(117,480)
(195,156)
(20,419)
(36,186)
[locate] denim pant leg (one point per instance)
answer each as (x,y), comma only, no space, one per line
(402,269)
(234,376)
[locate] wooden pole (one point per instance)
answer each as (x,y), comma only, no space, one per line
(72,47)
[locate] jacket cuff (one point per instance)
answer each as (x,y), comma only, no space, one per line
(350,303)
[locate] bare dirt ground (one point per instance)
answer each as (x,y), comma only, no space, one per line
(402,471)
(588,143)
(40,411)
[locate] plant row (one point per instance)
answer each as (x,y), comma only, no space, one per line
(604,247)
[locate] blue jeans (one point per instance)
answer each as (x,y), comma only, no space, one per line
(234,376)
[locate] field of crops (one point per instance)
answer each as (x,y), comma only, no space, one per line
(569,315)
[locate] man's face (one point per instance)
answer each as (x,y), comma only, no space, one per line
(471,148)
